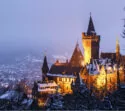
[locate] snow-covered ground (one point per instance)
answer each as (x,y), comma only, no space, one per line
(14,100)
(28,68)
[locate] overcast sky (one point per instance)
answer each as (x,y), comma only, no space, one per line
(55,25)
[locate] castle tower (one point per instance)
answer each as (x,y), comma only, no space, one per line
(90,42)
(117,50)
(45,69)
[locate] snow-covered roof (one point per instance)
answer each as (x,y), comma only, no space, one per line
(95,66)
(94,72)
(61,75)
(93,69)
(47,85)
(46,89)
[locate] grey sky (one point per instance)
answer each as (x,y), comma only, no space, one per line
(55,25)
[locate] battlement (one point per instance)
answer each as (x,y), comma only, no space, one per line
(92,37)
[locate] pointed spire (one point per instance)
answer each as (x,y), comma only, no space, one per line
(77,57)
(77,45)
(45,67)
(91,29)
(117,41)
(117,45)
(117,50)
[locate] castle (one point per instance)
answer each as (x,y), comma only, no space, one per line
(100,72)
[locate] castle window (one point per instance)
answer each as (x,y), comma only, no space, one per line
(69,79)
(66,80)
(67,87)
(110,79)
(60,79)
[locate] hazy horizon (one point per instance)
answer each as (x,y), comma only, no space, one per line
(55,26)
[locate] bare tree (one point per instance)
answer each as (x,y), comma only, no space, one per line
(123,33)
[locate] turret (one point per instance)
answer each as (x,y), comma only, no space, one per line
(45,69)
(117,50)
(91,29)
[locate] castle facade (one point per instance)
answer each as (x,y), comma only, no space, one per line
(99,73)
